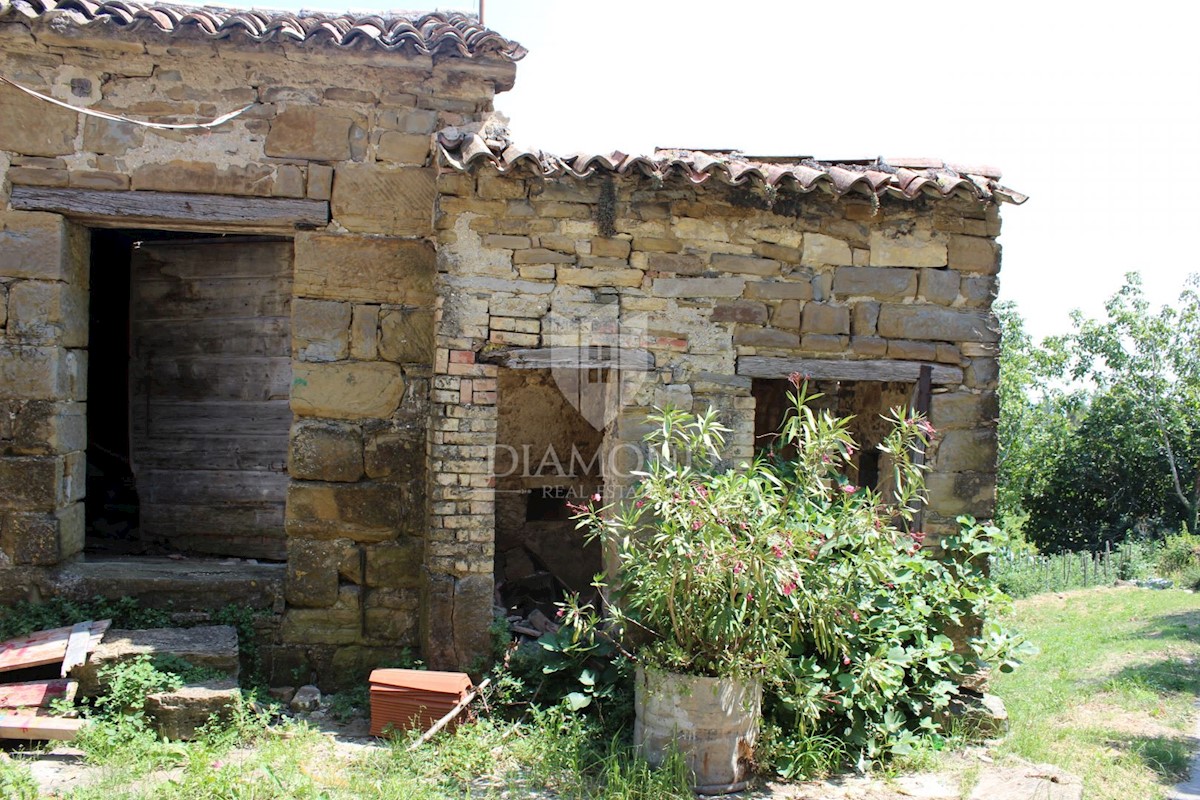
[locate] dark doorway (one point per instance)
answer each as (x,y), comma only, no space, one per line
(190,366)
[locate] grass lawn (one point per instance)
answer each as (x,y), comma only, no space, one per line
(1112,694)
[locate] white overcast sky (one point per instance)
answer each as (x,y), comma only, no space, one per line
(1092,109)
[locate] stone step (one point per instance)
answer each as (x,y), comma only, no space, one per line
(188,584)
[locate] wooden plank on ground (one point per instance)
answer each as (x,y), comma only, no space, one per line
(77,647)
(37,694)
(174,210)
(32,726)
(44,647)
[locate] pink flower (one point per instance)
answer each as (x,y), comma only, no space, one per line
(849,488)
(788,588)
(697,525)
(596,497)
(777,551)
(795,378)
(845,661)
(749,597)
(692,502)
(739,568)
(639,503)
(854,616)
(927,428)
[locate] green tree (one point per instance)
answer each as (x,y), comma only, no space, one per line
(1038,414)
(1152,360)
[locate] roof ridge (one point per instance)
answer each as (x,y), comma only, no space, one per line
(463,149)
(425,33)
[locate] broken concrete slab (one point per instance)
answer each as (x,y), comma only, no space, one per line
(177,714)
(210,646)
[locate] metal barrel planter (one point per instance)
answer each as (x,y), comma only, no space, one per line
(712,721)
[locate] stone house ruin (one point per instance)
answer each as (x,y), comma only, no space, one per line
(352,350)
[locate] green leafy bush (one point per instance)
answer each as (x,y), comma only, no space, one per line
(786,570)
(57,612)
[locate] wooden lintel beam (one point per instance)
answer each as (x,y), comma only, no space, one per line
(173,210)
(829,369)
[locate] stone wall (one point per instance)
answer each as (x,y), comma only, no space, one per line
(705,277)
(350,128)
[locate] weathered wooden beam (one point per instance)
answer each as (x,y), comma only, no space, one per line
(208,212)
(32,726)
(829,369)
(593,357)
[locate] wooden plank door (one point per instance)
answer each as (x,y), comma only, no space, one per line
(210,372)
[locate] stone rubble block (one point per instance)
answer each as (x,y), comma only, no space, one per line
(879,283)
(892,248)
(936,323)
(210,646)
(178,715)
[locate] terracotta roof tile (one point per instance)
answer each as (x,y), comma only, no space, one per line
(905,178)
(436,33)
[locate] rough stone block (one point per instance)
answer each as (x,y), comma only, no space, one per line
(740,311)
(394,565)
(600,277)
(322,450)
(403,148)
(895,248)
(779,290)
(912,351)
(765,337)
(395,452)
(939,286)
(38,246)
(201,177)
(673,263)
(42,539)
(935,323)
(363,512)
(179,714)
(391,615)
(370,199)
(339,624)
(33,127)
(699,287)
(954,493)
(963,409)
(364,333)
(111,137)
(974,254)
(312,572)
(315,134)
(44,427)
(863,318)
(824,318)
(45,312)
(745,265)
(610,248)
(320,329)
(820,250)
(406,335)
(42,373)
(881,284)
(972,450)
(32,483)
(542,255)
(364,269)
(319,185)
(979,290)
(787,315)
(823,342)
(347,390)
(210,646)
